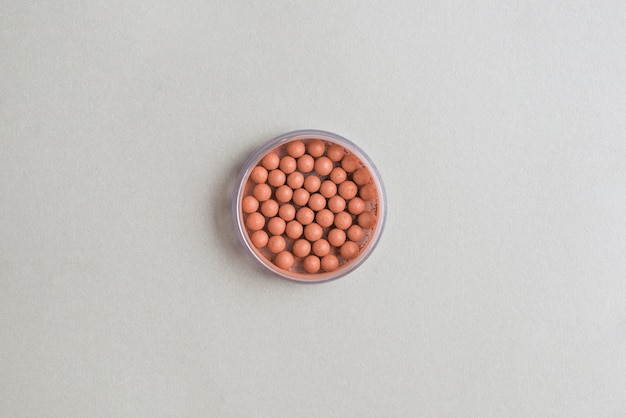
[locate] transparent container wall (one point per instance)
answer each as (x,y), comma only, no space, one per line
(375,205)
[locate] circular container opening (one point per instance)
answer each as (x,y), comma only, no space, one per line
(309,206)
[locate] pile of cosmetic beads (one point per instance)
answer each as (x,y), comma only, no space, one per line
(309,206)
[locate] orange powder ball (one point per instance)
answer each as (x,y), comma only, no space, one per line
(296,148)
(270,161)
(324,218)
(356,206)
(323,166)
(262,192)
(321,247)
(306,163)
(336,204)
(355,233)
(300,197)
(368,192)
(259,239)
(367,220)
(276,244)
(293,229)
(338,175)
(361,176)
(255,221)
(301,248)
(311,264)
(283,194)
(343,220)
(336,237)
(305,216)
(287,212)
(312,183)
(284,260)
(350,163)
(317,202)
(316,148)
(269,208)
(276,178)
(328,188)
(258,174)
(313,232)
(276,226)
(287,164)
(329,262)
(347,190)
(295,180)
(249,204)
(335,152)
(349,250)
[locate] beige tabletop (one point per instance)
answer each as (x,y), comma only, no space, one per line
(497,289)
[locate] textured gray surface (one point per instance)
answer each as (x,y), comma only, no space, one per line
(498,286)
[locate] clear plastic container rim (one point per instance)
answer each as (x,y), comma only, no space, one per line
(253,160)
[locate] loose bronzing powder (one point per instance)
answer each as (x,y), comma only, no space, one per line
(309,206)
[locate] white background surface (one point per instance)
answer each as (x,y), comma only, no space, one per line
(498,288)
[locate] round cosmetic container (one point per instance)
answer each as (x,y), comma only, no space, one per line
(309,206)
